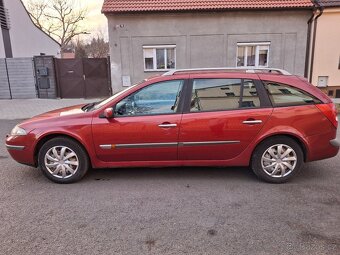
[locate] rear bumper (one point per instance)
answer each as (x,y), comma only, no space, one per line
(335,142)
(322,146)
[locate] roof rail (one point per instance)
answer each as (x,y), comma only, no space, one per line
(236,69)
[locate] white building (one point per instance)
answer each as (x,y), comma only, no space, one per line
(19,36)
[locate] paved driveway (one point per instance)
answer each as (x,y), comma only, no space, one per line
(169,211)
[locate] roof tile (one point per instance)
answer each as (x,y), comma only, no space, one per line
(329,3)
(119,6)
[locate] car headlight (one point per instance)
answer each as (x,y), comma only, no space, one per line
(18,131)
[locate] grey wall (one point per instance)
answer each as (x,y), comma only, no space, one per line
(205,39)
(4,86)
(20,76)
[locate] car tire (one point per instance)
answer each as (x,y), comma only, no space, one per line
(63,160)
(277,159)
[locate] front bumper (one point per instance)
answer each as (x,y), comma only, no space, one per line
(21,148)
(15,147)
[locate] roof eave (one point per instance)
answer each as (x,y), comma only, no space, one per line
(207,10)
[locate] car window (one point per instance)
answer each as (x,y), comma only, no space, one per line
(158,98)
(285,95)
(105,101)
(223,94)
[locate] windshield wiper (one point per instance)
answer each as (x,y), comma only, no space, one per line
(88,107)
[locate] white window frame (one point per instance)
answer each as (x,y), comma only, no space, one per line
(257,53)
(154,47)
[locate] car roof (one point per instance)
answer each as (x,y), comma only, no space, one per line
(264,74)
(229,69)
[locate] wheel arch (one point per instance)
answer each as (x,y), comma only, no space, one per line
(296,138)
(48,137)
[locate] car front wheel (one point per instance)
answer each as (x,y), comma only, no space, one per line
(277,159)
(63,160)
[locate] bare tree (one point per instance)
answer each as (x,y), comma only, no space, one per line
(58,18)
(97,48)
(80,49)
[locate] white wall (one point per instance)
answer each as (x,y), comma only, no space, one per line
(27,40)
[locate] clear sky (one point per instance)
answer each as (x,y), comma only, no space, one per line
(96,22)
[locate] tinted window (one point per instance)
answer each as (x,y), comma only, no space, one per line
(159,98)
(284,95)
(223,94)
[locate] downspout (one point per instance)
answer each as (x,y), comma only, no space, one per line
(309,31)
(321,9)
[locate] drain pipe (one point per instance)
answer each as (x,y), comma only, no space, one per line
(309,31)
(321,9)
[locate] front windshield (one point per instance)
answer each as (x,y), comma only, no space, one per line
(105,101)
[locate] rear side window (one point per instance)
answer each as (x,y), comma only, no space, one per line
(285,95)
(223,94)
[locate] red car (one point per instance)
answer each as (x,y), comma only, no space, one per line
(263,118)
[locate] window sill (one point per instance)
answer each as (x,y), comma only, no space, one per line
(158,70)
(253,67)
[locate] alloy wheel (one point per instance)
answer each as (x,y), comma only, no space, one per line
(61,162)
(279,160)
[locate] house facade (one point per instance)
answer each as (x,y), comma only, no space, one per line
(19,37)
(325,71)
(150,37)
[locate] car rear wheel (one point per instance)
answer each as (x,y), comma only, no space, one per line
(63,160)
(277,159)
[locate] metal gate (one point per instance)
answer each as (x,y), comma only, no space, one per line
(83,78)
(17,78)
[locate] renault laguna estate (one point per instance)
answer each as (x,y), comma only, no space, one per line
(266,119)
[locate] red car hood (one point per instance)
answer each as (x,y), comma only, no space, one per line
(76,109)
(61,112)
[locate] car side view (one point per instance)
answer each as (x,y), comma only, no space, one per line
(265,118)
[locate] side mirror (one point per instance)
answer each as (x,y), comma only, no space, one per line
(108,113)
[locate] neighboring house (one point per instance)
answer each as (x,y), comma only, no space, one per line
(149,37)
(68,53)
(326,60)
(19,37)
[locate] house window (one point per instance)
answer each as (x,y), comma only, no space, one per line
(252,54)
(159,58)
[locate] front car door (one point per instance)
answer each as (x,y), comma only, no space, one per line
(145,125)
(223,117)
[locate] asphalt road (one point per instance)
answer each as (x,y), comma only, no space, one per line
(169,211)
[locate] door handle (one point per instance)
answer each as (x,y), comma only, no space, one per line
(167,125)
(252,122)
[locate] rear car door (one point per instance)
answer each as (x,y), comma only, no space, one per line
(145,126)
(222,118)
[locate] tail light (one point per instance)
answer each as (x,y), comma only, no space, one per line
(330,112)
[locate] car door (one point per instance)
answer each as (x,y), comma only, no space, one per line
(145,125)
(223,117)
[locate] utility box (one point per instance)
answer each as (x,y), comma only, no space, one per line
(45,76)
(42,71)
(44,83)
